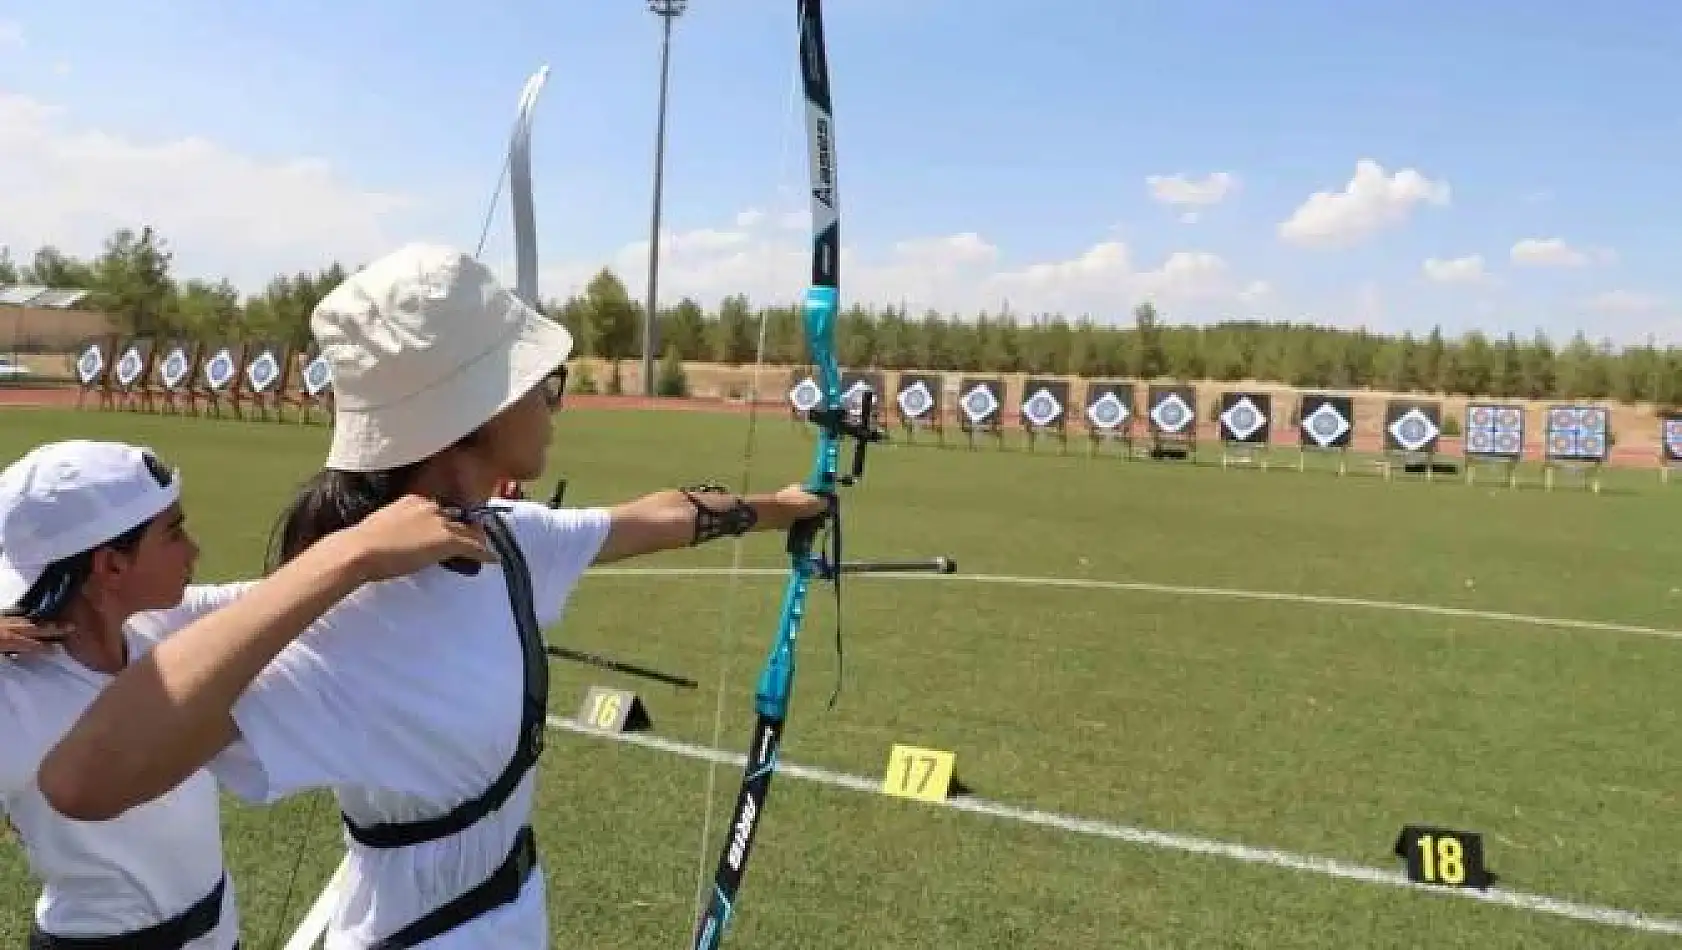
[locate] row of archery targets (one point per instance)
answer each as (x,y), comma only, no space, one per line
(242,379)
(1246,425)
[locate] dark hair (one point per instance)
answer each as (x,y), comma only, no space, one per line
(51,595)
(332,500)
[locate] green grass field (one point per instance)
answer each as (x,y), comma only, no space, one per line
(1309,727)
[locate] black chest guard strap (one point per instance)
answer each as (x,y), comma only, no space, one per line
(534,707)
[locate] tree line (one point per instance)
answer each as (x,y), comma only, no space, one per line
(133,279)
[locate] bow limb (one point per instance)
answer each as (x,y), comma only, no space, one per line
(517,171)
(520,193)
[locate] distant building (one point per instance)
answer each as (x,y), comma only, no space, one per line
(38,319)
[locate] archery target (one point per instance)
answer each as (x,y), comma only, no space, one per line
(317,376)
(918,398)
(1325,421)
(1494,431)
(980,403)
(175,368)
(89,364)
(1173,409)
(1577,433)
(1411,426)
(262,372)
(1670,437)
(1244,417)
(130,366)
(1044,405)
(805,396)
(220,370)
(1109,406)
(854,387)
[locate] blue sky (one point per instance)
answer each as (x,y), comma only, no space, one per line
(988,153)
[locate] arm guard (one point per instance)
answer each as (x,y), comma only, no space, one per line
(713,522)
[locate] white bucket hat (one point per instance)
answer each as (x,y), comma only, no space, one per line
(425,345)
(64,498)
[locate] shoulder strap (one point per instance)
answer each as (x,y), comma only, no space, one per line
(534,707)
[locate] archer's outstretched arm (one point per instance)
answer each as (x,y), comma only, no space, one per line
(170,712)
(678,518)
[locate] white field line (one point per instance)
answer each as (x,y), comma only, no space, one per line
(1535,903)
(1320,600)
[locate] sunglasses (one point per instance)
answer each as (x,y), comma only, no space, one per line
(555,387)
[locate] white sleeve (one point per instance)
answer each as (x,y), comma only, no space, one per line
(351,701)
(16,771)
(559,544)
(314,716)
(199,600)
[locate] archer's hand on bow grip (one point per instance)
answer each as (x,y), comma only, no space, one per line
(812,510)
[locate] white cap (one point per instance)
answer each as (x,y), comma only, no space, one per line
(426,346)
(64,498)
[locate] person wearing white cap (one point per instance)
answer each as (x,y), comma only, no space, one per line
(419,700)
(95,561)
(95,569)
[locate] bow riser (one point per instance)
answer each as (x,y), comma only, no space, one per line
(776,680)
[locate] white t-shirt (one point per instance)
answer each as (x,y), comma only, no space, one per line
(405,700)
(145,866)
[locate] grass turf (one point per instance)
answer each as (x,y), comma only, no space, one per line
(1309,728)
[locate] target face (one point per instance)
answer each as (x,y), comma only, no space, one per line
(1671,435)
(1413,430)
(1325,426)
(1496,431)
(805,396)
(979,403)
(915,400)
(1042,408)
(853,398)
(129,367)
(1171,414)
(1107,411)
(262,372)
(89,365)
(1243,419)
(175,368)
(220,370)
(317,375)
(1577,433)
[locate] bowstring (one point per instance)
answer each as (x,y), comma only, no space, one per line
(728,637)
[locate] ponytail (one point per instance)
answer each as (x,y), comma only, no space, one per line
(330,501)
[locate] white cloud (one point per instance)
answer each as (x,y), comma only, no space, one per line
(1627,302)
(1370,202)
(959,274)
(1189,194)
(1550,252)
(1460,270)
(222,212)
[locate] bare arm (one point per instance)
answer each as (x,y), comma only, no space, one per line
(170,712)
(665,520)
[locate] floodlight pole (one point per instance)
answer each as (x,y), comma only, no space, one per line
(667,11)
